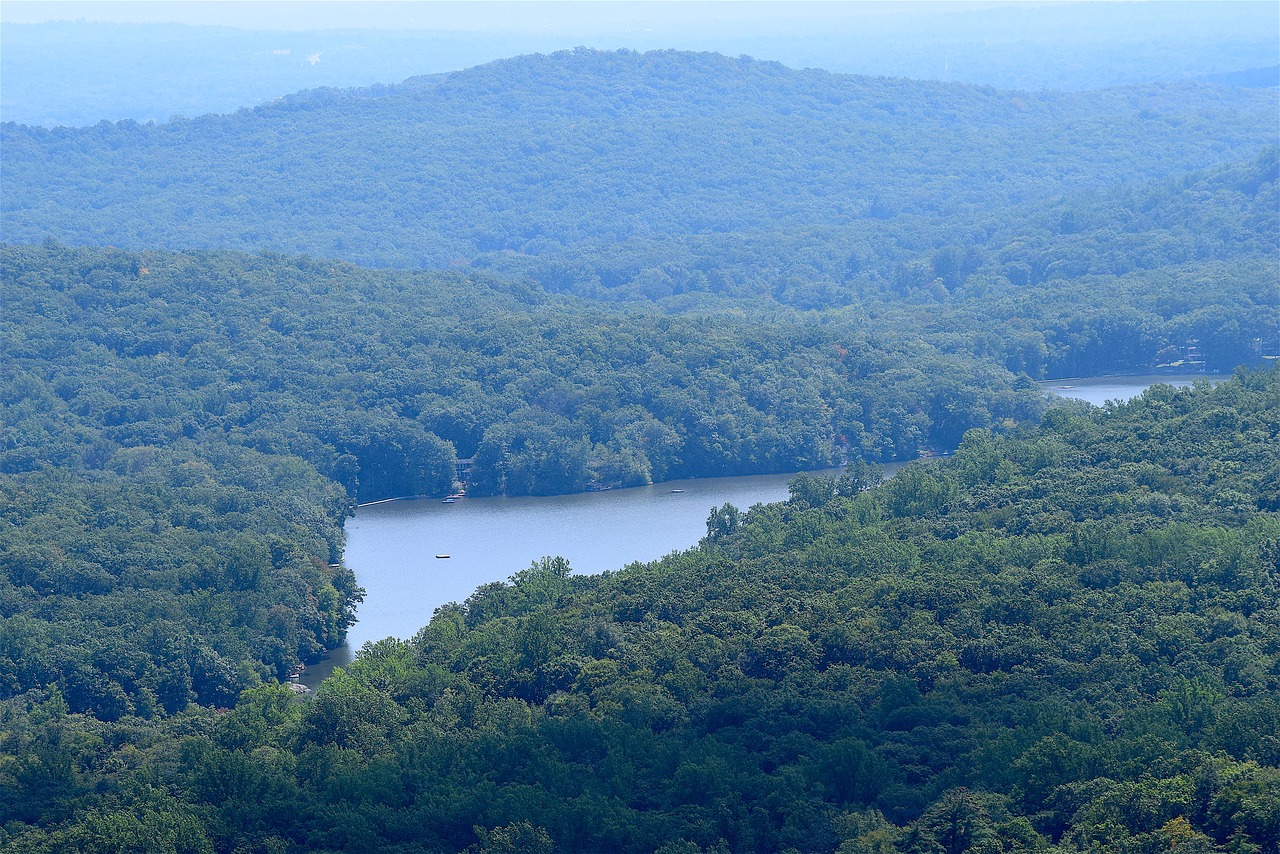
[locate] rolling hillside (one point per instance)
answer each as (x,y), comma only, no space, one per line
(540,153)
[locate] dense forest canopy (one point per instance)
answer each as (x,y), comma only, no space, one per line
(1060,640)
(60,72)
(596,269)
(381,379)
(1115,280)
(541,153)
(657,176)
(185,433)
(1226,213)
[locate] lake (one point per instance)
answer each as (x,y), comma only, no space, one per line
(1098,390)
(392,546)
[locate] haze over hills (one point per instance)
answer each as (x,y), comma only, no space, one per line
(62,67)
(1224,213)
(542,152)
(1062,638)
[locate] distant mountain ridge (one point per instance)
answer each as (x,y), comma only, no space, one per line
(77,73)
(1258,78)
(1224,213)
(544,152)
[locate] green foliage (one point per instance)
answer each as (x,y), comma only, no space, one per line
(1075,650)
(175,574)
(1061,638)
(380,380)
(692,178)
(1092,282)
(540,153)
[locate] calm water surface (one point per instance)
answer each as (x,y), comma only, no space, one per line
(392,547)
(1098,390)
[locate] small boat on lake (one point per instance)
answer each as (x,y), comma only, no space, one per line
(442,557)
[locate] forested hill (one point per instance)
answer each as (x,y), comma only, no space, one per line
(177,432)
(77,73)
(1224,213)
(1121,279)
(541,152)
(1064,640)
(380,379)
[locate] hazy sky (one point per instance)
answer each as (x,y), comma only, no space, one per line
(530,15)
(66,74)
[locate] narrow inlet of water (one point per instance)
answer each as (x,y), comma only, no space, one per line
(414,556)
(411,557)
(1099,390)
